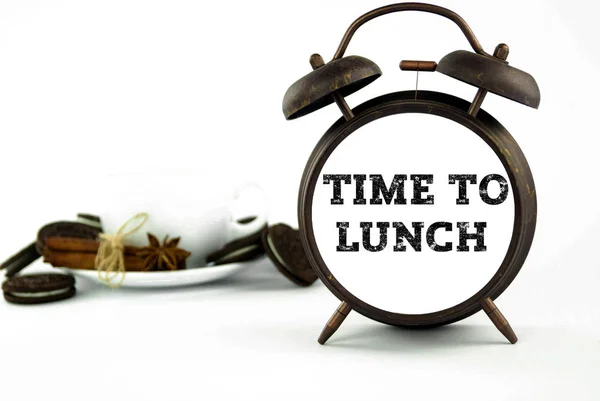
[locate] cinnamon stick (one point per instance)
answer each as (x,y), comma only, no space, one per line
(77,253)
(87,261)
(81,245)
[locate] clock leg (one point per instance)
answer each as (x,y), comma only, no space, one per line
(499,320)
(334,322)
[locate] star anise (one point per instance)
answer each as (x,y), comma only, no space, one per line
(159,257)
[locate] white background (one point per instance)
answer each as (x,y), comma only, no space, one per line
(91,88)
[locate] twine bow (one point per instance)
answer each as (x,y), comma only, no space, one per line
(110,260)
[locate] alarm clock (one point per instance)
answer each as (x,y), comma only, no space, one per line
(416,208)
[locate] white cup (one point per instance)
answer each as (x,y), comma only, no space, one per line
(201,210)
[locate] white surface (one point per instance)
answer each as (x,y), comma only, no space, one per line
(132,85)
(413,282)
(167,279)
(253,336)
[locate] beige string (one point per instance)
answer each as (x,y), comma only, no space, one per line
(110,259)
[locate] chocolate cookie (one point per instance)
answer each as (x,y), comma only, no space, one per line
(283,246)
(38,288)
(240,250)
(20,260)
(33,251)
(65,229)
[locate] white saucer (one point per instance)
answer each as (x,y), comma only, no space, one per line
(171,278)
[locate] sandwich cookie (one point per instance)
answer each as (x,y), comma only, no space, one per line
(66,229)
(86,228)
(284,247)
(32,289)
(241,249)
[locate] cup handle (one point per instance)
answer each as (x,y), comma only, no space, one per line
(239,229)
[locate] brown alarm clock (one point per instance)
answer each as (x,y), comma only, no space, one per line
(416,208)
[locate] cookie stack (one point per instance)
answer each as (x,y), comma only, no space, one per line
(42,288)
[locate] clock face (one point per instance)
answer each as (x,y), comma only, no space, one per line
(412,213)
